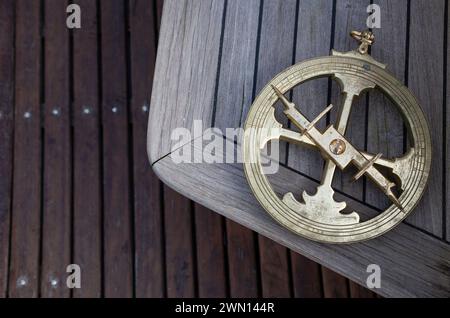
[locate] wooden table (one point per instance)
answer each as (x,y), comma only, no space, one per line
(215,56)
(76,185)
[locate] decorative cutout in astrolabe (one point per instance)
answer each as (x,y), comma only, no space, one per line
(318,216)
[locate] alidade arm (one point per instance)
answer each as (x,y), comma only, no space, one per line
(336,148)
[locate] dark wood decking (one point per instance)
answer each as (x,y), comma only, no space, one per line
(76,185)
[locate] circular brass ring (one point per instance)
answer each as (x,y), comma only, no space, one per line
(261,116)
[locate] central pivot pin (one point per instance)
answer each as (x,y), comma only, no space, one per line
(337,146)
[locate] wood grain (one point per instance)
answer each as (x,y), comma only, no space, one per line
(117,226)
(149,253)
(348,16)
(313,40)
(334,285)
(180,267)
(26,216)
(7,20)
(425,79)
(199,22)
(306,277)
(413,263)
(211,276)
(243,262)
(159,5)
(56,245)
(275,270)
(87,209)
(275,53)
(385,125)
(236,74)
(359,291)
(237,63)
(447,137)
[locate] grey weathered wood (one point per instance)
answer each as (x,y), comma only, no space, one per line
(350,15)
(276,48)
(237,63)
(275,53)
(413,263)
(236,74)
(425,79)
(237,69)
(188,90)
(447,163)
(313,40)
(385,126)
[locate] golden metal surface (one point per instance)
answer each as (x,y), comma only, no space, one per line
(319,217)
(337,146)
(366,38)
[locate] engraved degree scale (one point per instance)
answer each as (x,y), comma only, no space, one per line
(319,217)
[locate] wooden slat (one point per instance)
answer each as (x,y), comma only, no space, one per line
(385,125)
(179,252)
(236,74)
(306,277)
(194,22)
(162,114)
(425,79)
(348,16)
(24,266)
(447,137)
(359,291)
(56,248)
(237,63)
(180,276)
(413,263)
(7,19)
(87,241)
(313,40)
(276,49)
(158,5)
(212,280)
(118,260)
(149,277)
(275,271)
(334,285)
(243,262)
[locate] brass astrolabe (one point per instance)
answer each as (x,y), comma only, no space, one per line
(319,217)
